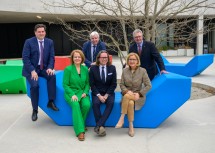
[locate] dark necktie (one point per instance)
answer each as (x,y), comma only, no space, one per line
(103,74)
(41,54)
(94,53)
(139,49)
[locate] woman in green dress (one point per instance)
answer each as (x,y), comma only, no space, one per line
(76,91)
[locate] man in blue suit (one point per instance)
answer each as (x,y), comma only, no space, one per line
(92,48)
(38,60)
(149,55)
(103,84)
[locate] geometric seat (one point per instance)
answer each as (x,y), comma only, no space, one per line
(194,67)
(61,62)
(11,79)
(168,93)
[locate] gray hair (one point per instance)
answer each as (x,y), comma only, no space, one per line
(94,33)
(137,31)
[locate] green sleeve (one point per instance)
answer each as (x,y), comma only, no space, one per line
(66,82)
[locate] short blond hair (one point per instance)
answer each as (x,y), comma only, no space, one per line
(133,54)
(81,54)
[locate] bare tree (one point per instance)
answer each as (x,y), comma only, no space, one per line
(160,20)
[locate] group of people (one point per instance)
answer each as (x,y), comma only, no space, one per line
(97,74)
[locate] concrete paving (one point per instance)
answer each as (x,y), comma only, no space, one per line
(189,130)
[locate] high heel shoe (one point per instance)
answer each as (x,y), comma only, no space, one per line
(118,126)
(131,133)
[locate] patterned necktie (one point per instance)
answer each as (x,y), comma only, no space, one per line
(94,53)
(139,49)
(41,54)
(103,74)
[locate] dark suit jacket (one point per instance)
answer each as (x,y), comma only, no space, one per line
(148,58)
(87,51)
(31,54)
(97,86)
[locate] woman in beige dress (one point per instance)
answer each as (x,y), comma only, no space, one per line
(134,84)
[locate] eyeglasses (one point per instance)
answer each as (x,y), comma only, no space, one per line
(132,59)
(103,57)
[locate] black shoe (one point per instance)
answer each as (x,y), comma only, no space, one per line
(96,129)
(52,106)
(34,115)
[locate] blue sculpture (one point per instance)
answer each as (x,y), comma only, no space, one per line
(168,93)
(194,67)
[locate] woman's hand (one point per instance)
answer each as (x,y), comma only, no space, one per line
(136,96)
(83,95)
(74,98)
(130,92)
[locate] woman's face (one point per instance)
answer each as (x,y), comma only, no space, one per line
(132,61)
(77,58)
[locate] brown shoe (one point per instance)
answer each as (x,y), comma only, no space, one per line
(81,137)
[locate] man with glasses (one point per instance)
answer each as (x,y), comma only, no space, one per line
(103,84)
(149,56)
(92,48)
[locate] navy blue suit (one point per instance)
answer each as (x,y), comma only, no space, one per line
(30,56)
(87,51)
(98,87)
(148,58)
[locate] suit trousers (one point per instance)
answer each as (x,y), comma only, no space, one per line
(34,87)
(80,111)
(100,118)
(128,106)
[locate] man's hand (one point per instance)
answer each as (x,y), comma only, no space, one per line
(101,98)
(34,76)
(106,96)
(50,71)
(164,72)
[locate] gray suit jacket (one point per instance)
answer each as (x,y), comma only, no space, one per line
(138,81)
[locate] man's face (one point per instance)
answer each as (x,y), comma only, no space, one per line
(138,38)
(40,33)
(94,39)
(103,59)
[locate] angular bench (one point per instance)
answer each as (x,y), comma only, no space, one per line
(11,79)
(168,93)
(194,67)
(61,62)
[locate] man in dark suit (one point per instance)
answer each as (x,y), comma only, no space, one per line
(92,48)
(103,84)
(38,60)
(149,55)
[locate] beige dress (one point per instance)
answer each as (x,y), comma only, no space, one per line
(136,81)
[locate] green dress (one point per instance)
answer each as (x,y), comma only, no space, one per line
(75,84)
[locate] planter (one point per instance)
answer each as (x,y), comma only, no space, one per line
(190,52)
(163,53)
(171,53)
(181,52)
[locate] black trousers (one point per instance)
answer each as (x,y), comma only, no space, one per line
(100,117)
